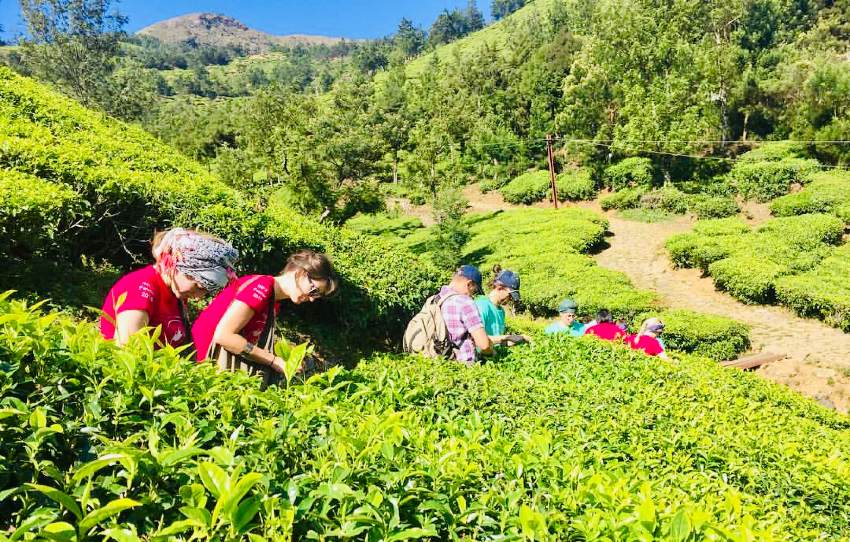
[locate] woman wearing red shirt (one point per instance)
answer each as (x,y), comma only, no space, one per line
(237,329)
(187,265)
(605,328)
(647,338)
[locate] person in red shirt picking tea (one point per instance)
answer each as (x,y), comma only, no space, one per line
(647,338)
(605,328)
(237,329)
(187,265)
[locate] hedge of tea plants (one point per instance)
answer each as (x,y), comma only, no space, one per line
(573,184)
(750,263)
(671,200)
(768,171)
(825,192)
(566,439)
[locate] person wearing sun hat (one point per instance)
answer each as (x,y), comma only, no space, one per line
(504,289)
(466,330)
(567,320)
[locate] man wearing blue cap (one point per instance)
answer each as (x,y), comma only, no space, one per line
(567,321)
(466,330)
(504,289)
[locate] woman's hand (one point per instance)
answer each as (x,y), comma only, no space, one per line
(277,364)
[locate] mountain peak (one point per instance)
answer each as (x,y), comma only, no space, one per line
(220,30)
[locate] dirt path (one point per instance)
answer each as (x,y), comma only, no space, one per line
(818,362)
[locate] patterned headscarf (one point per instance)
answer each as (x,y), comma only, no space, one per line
(208,261)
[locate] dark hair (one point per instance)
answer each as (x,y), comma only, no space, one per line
(317,266)
(604,315)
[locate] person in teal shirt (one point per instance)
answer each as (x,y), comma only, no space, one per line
(503,290)
(567,321)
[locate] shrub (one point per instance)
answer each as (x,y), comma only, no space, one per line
(714,337)
(763,181)
(749,279)
(668,199)
(825,194)
(627,198)
(823,292)
(634,171)
(35,216)
(138,440)
(576,185)
(384,225)
(527,188)
(713,206)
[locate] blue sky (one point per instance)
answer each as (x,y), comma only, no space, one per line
(351,19)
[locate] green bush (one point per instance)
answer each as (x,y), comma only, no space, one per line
(576,185)
(827,193)
(704,206)
(565,436)
(823,292)
(35,216)
(668,199)
(527,188)
(627,198)
(630,172)
(384,225)
(714,337)
(763,181)
(749,264)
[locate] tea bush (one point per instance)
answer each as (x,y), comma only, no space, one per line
(629,172)
(527,188)
(546,246)
(766,173)
(627,198)
(35,214)
(668,199)
(563,439)
(576,185)
(749,263)
(823,292)
(826,192)
(704,206)
(384,225)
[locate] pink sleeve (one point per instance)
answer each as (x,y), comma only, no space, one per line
(138,296)
(654,347)
(258,294)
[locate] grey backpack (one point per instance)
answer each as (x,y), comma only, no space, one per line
(427,333)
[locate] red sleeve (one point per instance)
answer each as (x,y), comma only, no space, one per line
(139,295)
(258,294)
(653,347)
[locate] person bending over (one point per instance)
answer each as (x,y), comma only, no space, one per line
(504,289)
(466,330)
(237,329)
(187,265)
(605,328)
(648,338)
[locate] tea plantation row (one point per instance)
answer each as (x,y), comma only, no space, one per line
(791,260)
(568,439)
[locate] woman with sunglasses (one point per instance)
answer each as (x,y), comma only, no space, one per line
(237,329)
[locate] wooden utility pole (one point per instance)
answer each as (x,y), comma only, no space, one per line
(551,155)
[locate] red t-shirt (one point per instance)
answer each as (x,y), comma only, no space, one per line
(648,344)
(145,290)
(257,295)
(606,330)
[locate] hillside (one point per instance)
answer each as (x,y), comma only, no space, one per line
(223,31)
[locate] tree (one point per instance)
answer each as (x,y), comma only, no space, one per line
(409,40)
(502,8)
(74,43)
(449,26)
(474,17)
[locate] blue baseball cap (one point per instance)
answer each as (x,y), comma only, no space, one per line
(472,273)
(509,279)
